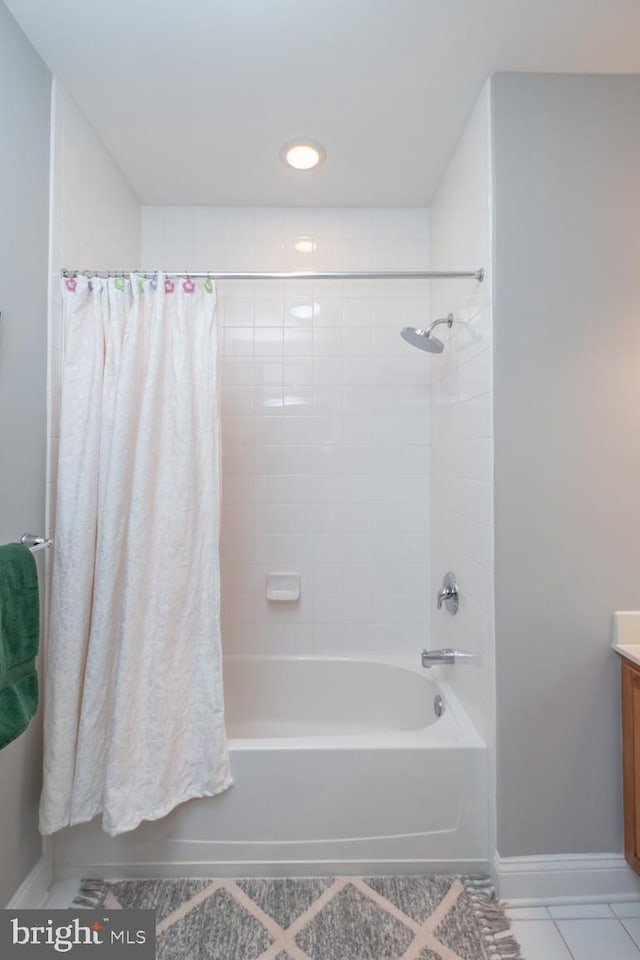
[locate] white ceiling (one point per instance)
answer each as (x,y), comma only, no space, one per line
(193,99)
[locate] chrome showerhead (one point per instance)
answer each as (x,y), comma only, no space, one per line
(423,338)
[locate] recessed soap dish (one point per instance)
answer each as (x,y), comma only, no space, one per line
(283,587)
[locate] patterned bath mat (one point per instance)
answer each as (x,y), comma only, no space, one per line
(344,918)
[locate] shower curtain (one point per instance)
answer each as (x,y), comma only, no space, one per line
(134,721)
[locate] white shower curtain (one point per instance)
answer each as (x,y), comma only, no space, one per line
(134,721)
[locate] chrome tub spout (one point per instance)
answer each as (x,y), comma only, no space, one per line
(431,657)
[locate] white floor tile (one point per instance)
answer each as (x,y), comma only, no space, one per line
(632,926)
(598,939)
(631,909)
(540,940)
(527,913)
(581,911)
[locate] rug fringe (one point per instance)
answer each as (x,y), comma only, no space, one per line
(492,920)
(91,893)
(508,948)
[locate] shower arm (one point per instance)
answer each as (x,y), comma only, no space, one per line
(448,320)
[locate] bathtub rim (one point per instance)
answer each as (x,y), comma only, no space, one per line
(453,729)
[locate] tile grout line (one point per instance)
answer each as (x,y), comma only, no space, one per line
(569,951)
(587,920)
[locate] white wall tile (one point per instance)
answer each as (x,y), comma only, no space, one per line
(461,418)
(328,311)
(237,311)
(238,342)
(179,253)
(180,222)
(358,223)
(267,312)
(387,224)
(343,578)
(401,608)
(297,373)
(285,430)
(239,372)
(298,342)
(327,342)
(268,342)
(326,424)
(357,312)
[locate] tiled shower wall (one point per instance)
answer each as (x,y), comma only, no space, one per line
(462,410)
(325,423)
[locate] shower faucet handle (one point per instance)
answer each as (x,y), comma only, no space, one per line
(448,593)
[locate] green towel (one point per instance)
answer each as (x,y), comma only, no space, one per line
(19,636)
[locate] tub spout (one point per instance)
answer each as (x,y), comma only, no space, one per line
(429,657)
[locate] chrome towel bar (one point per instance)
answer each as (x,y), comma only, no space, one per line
(35,543)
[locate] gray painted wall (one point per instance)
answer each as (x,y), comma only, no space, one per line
(567,449)
(24,202)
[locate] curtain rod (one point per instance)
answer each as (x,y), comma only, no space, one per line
(296,275)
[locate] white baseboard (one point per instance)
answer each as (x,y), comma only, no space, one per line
(523,881)
(33,891)
(578,878)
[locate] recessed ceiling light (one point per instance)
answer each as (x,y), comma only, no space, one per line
(303,154)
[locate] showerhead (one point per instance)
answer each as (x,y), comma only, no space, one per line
(423,338)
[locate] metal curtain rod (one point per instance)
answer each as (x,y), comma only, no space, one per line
(297,274)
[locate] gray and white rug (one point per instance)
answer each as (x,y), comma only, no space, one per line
(344,918)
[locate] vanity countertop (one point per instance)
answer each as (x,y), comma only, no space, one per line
(629,650)
(626,634)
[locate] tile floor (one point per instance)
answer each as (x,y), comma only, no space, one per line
(586,931)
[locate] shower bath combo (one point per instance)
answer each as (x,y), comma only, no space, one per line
(326,807)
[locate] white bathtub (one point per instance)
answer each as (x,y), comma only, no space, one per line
(340,765)
(295,698)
